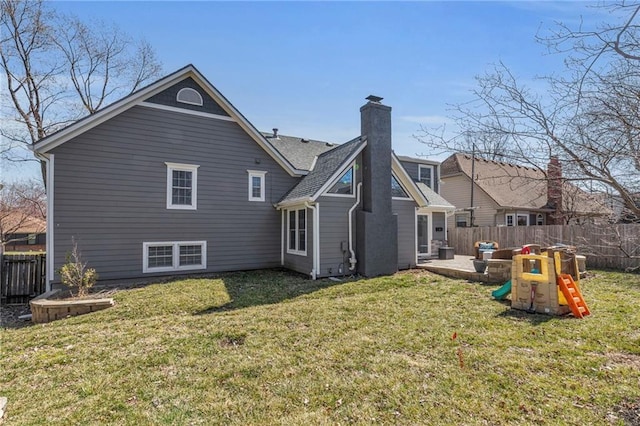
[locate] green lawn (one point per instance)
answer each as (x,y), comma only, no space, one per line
(270,348)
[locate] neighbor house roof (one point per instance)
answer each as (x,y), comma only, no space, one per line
(138,98)
(17,222)
(300,152)
(327,164)
(514,186)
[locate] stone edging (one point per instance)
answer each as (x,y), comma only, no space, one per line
(44,309)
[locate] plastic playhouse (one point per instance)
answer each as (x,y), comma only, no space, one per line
(546,282)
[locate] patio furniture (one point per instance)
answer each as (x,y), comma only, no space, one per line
(482,246)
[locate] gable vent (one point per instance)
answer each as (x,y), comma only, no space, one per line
(189,96)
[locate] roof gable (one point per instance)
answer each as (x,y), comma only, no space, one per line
(515,186)
(168,97)
(328,167)
(148,93)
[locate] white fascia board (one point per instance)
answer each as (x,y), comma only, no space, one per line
(293,203)
(137,98)
(404,178)
(247,126)
(339,172)
(110,111)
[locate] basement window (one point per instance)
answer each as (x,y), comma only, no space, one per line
(174,256)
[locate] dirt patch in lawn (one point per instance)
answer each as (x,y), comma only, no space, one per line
(623,359)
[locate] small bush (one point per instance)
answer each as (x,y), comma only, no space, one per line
(75,274)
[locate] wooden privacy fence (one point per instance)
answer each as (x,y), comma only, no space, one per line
(606,246)
(22,277)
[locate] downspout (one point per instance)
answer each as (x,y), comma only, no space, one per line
(48,159)
(352,259)
(316,239)
(282,237)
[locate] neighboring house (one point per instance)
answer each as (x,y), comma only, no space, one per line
(620,213)
(432,219)
(512,195)
(173,179)
(22,232)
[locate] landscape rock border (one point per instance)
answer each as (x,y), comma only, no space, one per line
(45,308)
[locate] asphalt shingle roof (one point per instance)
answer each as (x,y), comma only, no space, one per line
(511,185)
(326,165)
(300,152)
(432,197)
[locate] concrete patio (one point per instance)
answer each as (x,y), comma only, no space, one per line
(458,267)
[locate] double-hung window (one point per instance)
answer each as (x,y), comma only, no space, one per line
(425,175)
(182,186)
(256,185)
(174,256)
(297,230)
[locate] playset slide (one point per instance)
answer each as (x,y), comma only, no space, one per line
(502,292)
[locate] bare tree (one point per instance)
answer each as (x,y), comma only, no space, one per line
(22,205)
(57,69)
(588,117)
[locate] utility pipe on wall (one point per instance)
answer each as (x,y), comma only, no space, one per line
(352,259)
(316,238)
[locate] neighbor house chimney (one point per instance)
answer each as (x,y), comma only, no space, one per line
(554,191)
(275,132)
(376,231)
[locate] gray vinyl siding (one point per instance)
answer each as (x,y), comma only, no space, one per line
(334,229)
(439,220)
(406,211)
(110,193)
(168,97)
(296,262)
(412,171)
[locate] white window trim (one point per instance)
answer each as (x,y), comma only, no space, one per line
(353,182)
(408,197)
(306,234)
(261,175)
(189,89)
(426,166)
(194,185)
(526,215)
(514,217)
(467,218)
(175,256)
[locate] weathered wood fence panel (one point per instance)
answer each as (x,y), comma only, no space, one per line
(606,246)
(22,277)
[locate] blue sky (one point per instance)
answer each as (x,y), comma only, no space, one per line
(306,67)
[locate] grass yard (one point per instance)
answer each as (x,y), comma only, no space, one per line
(271,348)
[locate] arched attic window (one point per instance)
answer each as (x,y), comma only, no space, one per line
(189,96)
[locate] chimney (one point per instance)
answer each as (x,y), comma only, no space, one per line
(275,132)
(376,230)
(554,190)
